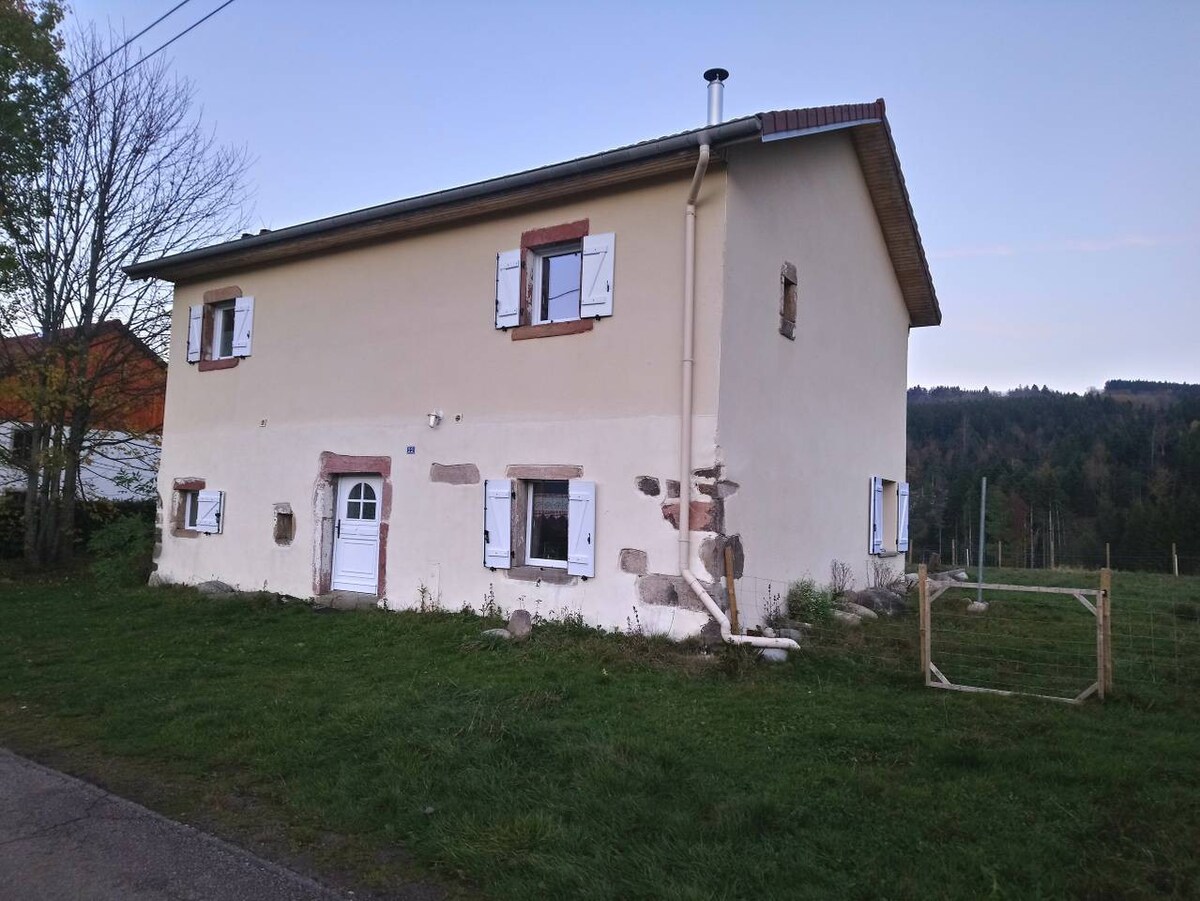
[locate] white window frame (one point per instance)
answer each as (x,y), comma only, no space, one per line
(531,560)
(222,310)
(540,254)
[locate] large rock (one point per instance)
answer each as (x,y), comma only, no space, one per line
(959,575)
(794,634)
(977,607)
(880,600)
(710,635)
(520,624)
(843,618)
(774,655)
(214,587)
(858,610)
(496,635)
(156,580)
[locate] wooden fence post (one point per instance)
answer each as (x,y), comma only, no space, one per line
(1107,555)
(729,583)
(923,594)
(1106,600)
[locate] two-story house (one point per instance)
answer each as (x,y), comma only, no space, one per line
(502,390)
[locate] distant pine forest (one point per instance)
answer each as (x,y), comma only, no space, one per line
(1067,474)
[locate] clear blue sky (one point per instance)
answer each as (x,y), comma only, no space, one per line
(1050,148)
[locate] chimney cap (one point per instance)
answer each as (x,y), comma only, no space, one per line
(716,75)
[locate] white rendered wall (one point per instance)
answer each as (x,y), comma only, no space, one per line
(352,350)
(804,424)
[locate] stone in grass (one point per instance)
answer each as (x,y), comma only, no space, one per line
(858,610)
(520,624)
(844,618)
(794,634)
(496,635)
(774,655)
(977,607)
(156,580)
(959,575)
(214,587)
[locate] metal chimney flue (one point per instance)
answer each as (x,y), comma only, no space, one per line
(716,94)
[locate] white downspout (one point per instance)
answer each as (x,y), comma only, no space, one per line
(685,424)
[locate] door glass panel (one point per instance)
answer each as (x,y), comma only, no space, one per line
(361,502)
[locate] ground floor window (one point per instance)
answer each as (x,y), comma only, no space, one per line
(889,516)
(532,525)
(546,523)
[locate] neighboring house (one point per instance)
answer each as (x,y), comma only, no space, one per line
(129,388)
(481,393)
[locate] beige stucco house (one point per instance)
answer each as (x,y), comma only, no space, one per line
(492,391)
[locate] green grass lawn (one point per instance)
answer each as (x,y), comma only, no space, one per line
(385,747)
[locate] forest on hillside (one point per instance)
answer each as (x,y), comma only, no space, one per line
(1067,473)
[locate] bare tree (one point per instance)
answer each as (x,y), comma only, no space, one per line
(138,176)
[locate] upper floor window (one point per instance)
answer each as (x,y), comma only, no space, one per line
(220,329)
(22,445)
(223,315)
(557,275)
(560,274)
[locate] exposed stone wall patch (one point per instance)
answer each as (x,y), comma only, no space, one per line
(454,473)
(634,561)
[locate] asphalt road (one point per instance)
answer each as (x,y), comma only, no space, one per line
(64,839)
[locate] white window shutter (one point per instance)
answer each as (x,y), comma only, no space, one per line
(876,515)
(581,528)
(508,289)
(210,509)
(243,325)
(195,330)
(596,298)
(497,523)
(902,517)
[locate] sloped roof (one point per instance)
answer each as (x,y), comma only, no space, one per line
(869,131)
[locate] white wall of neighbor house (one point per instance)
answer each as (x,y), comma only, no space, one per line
(803,425)
(118,466)
(352,350)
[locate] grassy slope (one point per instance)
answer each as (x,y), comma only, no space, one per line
(389,746)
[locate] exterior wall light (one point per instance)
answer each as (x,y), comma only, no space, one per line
(434,418)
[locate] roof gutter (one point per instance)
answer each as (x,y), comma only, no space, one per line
(713,136)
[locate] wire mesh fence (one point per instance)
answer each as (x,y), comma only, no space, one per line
(1170,559)
(1033,643)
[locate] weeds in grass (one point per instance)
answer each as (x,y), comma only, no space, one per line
(841,578)
(426,601)
(884,575)
(490,609)
(809,602)
(737,660)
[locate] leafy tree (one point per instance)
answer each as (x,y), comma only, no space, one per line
(137,176)
(33,85)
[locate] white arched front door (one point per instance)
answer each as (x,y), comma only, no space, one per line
(356,534)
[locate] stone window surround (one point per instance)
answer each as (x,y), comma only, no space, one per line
(330,466)
(521,474)
(531,241)
(211,299)
(179,490)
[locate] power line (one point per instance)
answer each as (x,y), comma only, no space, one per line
(161,47)
(130,41)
